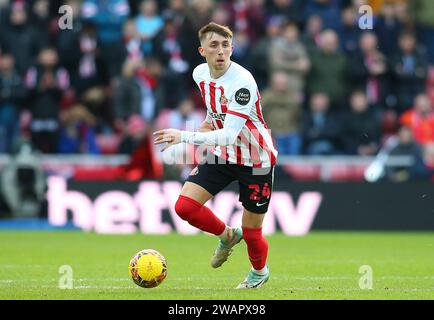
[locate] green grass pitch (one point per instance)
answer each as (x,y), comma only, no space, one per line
(321,265)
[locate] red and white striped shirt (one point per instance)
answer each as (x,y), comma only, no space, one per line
(236,93)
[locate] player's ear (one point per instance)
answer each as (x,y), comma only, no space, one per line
(201,51)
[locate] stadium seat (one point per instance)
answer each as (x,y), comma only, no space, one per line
(108,143)
(303,172)
(96,173)
(347,173)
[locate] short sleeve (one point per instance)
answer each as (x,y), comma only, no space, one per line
(196,74)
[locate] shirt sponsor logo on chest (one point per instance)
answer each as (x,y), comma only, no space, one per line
(218,116)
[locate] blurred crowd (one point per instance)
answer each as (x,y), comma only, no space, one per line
(328,86)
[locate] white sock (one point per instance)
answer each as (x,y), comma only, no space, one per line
(262,271)
(224,235)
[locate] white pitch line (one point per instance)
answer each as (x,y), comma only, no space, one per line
(294,290)
(357,277)
(358,289)
(306,278)
(16,266)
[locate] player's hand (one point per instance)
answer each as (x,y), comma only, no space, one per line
(205,127)
(169,136)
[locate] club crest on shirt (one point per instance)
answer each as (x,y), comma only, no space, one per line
(223,100)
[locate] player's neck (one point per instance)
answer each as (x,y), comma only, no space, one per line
(215,74)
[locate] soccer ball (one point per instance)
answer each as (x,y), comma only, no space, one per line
(148,268)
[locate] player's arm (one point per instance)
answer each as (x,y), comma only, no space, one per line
(238,113)
(221,137)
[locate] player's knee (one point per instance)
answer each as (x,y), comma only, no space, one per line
(181,209)
(186,207)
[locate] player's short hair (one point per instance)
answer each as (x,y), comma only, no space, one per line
(214,28)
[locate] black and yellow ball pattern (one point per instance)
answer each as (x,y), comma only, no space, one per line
(148,268)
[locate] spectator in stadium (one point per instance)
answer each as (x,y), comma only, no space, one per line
(109,17)
(138,91)
(138,143)
(312,33)
(260,52)
(423,168)
(4,14)
(387,28)
(97,102)
(328,10)
(177,10)
(253,18)
(420,119)
(288,54)
(403,13)
(198,13)
(84,63)
(12,94)
(360,127)
(320,127)
(77,133)
(423,12)
(67,39)
(349,31)
(242,48)
(329,70)
(406,146)
(46,83)
(222,14)
(127,99)
(286,9)
(389,123)
(246,17)
(282,112)
(171,47)
(368,70)
(21,39)
(132,41)
(135,130)
(148,24)
(39,16)
(152,78)
(410,68)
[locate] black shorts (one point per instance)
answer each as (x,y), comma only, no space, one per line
(256,184)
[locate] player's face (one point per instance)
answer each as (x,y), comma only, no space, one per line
(217,51)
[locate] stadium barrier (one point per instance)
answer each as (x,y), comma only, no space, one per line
(303,168)
(295,207)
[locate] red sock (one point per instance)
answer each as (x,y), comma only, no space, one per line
(198,215)
(257,247)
